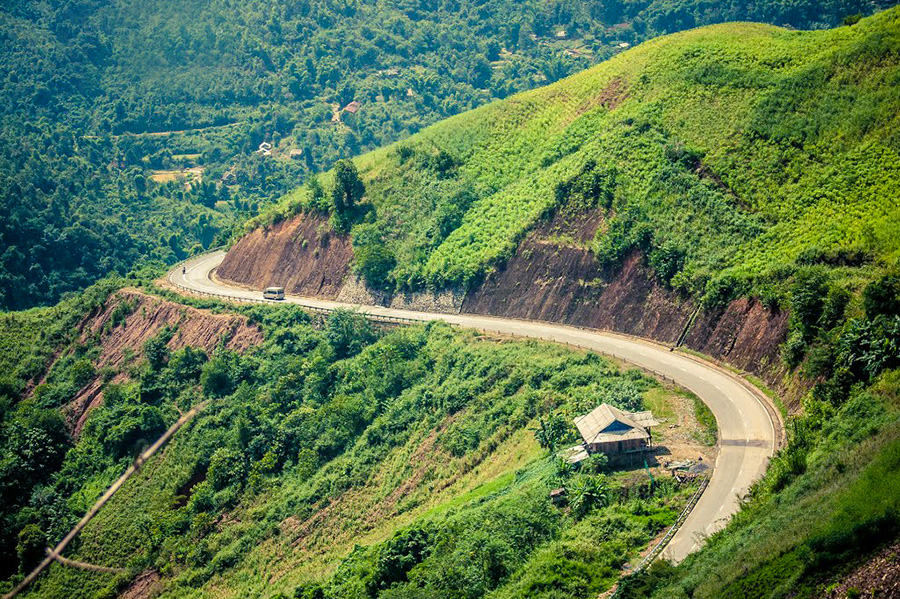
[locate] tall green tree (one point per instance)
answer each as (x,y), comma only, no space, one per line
(348,187)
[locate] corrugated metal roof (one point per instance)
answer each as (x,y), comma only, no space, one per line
(609,423)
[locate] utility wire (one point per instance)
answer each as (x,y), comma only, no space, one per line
(55,553)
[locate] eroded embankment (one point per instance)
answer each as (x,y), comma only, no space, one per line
(301,254)
(553,276)
(129,318)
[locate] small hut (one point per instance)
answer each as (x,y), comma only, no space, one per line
(612,431)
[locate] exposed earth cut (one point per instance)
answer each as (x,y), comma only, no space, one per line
(553,276)
(128,319)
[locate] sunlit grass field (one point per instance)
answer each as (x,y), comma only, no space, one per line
(743,146)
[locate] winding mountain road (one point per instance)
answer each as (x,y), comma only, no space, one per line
(747,437)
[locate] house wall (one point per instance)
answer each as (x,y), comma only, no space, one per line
(613,448)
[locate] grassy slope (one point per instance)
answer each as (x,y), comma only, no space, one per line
(742,144)
(450,447)
(794,541)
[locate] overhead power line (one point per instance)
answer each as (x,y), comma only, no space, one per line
(56,553)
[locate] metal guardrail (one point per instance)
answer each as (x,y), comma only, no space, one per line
(663,543)
(401,320)
(311,308)
(656,551)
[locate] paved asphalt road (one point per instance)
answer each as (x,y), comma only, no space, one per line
(746,430)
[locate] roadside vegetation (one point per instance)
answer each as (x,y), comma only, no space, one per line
(336,459)
(103,104)
(826,503)
(829,499)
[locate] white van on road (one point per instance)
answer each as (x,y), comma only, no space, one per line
(274,293)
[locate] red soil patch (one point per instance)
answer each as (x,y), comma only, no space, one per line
(148,316)
(146,585)
(557,282)
(564,284)
(745,333)
(301,254)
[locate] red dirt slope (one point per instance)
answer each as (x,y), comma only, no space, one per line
(554,277)
(301,254)
(147,315)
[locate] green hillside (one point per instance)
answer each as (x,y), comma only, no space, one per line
(339,459)
(738,159)
(334,459)
(103,105)
(740,150)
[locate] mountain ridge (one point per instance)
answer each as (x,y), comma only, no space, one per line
(678,228)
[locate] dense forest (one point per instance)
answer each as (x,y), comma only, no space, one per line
(131,130)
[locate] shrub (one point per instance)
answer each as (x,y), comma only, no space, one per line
(318,201)
(348,189)
(156,349)
(187,364)
(553,431)
(868,347)
(794,349)
(587,492)
(227,468)
(348,333)
(722,289)
(373,260)
(833,308)
(596,463)
(667,260)
(30,547)
(398,556)
(221,375)
(126,428)
(82,372)
(882,296)
(627,232)
(807,297)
